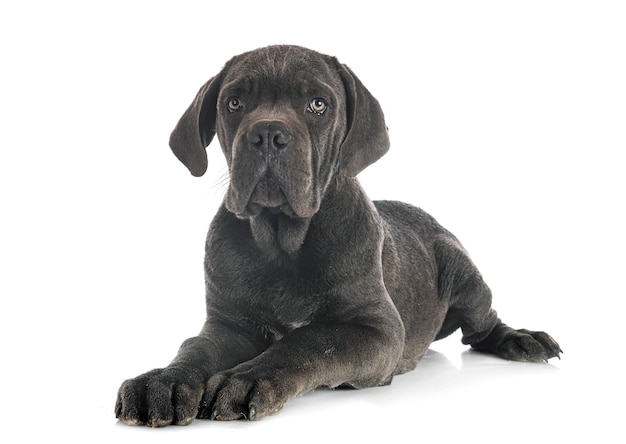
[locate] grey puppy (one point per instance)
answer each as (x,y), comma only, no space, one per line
(308,282)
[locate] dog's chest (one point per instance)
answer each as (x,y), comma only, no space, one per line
(283,307)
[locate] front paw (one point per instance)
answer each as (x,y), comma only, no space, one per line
(160,397)
(243,394)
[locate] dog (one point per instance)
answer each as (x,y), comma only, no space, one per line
(308,282)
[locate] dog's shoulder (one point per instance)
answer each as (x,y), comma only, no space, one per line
(403,216)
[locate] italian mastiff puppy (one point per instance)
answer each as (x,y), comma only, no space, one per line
(308,282)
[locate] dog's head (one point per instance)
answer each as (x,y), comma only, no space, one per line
(289,120)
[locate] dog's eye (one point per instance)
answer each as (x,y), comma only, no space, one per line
(234,104)
(317,106)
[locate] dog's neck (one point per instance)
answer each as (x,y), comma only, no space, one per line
(278,234)
(282,236)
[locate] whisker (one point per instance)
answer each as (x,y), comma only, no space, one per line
(221,184)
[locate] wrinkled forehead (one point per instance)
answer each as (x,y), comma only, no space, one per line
(283,71)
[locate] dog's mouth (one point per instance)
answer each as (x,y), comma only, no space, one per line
(266,195)
(269,195)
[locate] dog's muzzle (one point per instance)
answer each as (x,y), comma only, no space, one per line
(271,140)
(262,171)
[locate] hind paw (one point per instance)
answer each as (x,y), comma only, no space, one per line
(520,345)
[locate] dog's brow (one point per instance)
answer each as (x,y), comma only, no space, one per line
(317,87)
(241,84)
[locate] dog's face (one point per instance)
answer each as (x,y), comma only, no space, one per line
(288,120)
(279,112)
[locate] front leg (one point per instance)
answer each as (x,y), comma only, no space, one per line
(310,357)
(171,395)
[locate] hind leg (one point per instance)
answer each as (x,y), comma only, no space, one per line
(470,309)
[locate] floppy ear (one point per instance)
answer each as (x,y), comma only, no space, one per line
(366,138)
(196,128)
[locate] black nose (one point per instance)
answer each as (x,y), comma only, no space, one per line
(269,136)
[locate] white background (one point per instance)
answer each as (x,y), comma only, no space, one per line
(507,122)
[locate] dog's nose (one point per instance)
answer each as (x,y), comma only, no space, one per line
(269,136)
